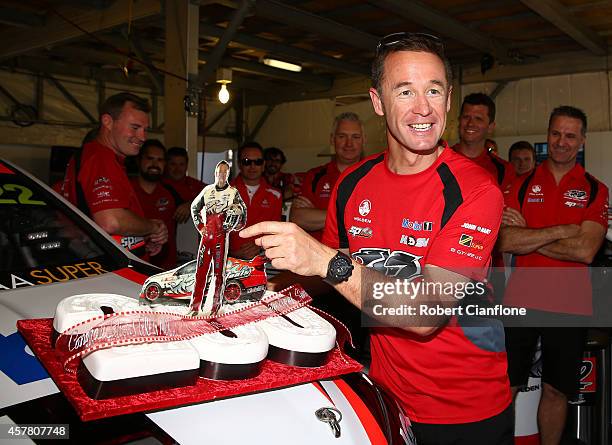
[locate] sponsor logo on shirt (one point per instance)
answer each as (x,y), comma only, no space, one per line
(265,203)
(470,226)
(536,188)
(577,195)
(469,241)
(365,207)
(574,204)
(410,240)
(464,253)
(393,264)
(535,199)
(101,180)
(417,226)
(364,232)
(362,220)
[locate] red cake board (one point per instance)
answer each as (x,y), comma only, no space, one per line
(37,334)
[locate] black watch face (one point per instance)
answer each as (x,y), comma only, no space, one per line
(341,267)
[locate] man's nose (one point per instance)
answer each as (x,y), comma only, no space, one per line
(421,105)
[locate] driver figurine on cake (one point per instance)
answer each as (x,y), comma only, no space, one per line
(216,211)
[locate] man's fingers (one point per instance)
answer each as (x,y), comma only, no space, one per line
(265,227)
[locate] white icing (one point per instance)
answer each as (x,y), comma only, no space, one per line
(78,308)
(124,362)
(249,346)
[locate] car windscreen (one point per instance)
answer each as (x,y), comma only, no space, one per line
(42,240)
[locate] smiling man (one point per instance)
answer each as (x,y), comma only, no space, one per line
(309,209)
(476,124)
(554,224)
(97,183)
(418,211)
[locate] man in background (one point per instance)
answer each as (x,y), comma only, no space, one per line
(275,159)
(177,162)
(522,157)
(157,201)
(476,124)
(309,209)
(97,183)
(263,202)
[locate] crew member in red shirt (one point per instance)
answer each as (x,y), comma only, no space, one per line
(263,202)
(476,123)
(309,209)
(417,213)
(554,224)
(177,162)
(157,201)
(97,183)
(275,159)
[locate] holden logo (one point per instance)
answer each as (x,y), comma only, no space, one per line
(365,207)
(536,188)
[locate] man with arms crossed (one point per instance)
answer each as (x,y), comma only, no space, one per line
(554,224)
(417,209)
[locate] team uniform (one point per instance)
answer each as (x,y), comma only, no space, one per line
(215,212)
(187,188)
(102,184)
(317,187)
(160,204)
(447,216)
(265,205)
(502,171)
(547,284)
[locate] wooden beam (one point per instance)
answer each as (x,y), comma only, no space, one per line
(13,17)
(557,14)
(558,64)
(58,29)
(441,23)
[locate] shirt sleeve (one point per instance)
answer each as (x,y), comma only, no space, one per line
(598,210)
(330,231)
(465,243)
(104,185)
(306,189)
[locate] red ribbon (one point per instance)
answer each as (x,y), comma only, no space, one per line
(138,327)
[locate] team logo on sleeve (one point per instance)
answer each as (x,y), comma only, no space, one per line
(364,232)
(469,241)
(393,264)
(365,207)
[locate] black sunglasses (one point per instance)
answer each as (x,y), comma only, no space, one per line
(246,161)
(397,37)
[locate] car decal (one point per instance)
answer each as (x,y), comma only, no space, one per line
(365,416)
(132,275)
(16,363)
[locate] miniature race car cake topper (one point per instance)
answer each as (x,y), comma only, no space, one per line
(216,211)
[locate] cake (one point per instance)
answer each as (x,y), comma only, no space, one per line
(300,338)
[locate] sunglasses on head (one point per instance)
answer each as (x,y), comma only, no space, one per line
(246,161)
(397,37)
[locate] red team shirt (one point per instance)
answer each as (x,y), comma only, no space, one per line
(317,187)
(266,205)
(105,185)
(448,216)
(578,197)
(160,204)
(502,171)
(187,188)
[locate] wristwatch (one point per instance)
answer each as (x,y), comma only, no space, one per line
(339,269)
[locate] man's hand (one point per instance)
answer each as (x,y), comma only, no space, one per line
(153,248)
(301,202)
(512,217)
(183,213)
(291,248)
(247,251)
(159,234)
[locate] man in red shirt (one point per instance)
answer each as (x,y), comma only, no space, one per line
(417,213)
(522,156)
(275,159)
(554,224)
(96,181)
(476,123)
(309,209)
(176,177)
(157,201)
(263,202)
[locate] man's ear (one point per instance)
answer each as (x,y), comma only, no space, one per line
(377,102)
(106,121)
(491,128)
(449,98)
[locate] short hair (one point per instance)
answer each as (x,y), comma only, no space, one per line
(521,145)
(480,99)
(177,152)
(114,104)
(416,42)
(271,152)
(250,144)
(152,143)
(569,111)
(346,116)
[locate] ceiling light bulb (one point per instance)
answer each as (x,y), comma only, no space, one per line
(224,94)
